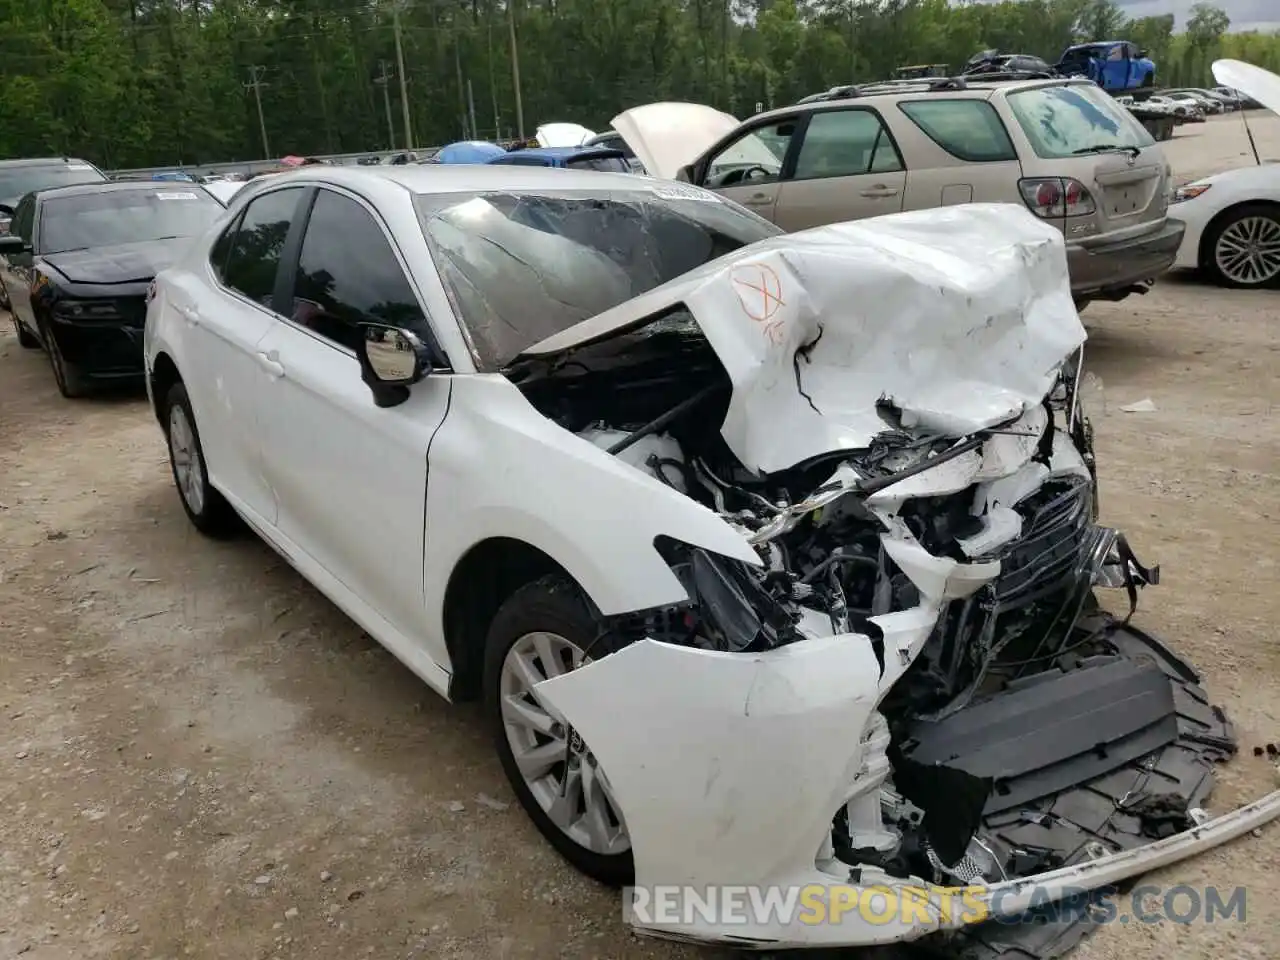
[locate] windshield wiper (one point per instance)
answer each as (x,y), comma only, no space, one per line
(1108,148)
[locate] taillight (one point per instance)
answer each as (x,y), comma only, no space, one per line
(151,291)
(1056,197)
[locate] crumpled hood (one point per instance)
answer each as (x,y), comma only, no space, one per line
(128,262)
(667,136)
(958,317)
(1262,85)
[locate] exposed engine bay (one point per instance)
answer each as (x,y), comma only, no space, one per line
(1033,729)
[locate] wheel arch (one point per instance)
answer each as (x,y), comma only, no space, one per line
(486,575)
(1216,220)
(164,374)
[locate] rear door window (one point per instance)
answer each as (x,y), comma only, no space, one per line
(1074,120)
(846,143)
(254,257)
(967,129)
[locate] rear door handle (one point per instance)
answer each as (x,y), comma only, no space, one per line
(880,191)
(269,363)
(190,314)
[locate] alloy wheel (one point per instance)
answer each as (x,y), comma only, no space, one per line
(1248,250)
(188,469)
(559,769)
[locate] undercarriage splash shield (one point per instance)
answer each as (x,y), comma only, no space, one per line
(1143,795)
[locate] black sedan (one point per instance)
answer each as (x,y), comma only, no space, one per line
(77,263)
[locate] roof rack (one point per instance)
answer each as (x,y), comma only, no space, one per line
(924,84)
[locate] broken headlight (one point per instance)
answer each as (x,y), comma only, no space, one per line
(734,607)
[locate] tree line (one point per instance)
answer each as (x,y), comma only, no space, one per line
(129,83)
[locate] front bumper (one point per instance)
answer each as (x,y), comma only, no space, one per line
(104,349)
(1100,268)
(731,768)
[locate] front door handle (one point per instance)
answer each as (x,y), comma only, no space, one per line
(269,363)
(758,199)
(880,190)
(190,314)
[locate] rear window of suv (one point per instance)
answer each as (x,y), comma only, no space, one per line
(1074,120)
(967,129)
(18,181)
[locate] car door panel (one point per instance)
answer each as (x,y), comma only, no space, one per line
(749,169)
(19,268)
(225,336)
(349,477)
(225,312)
(846,167)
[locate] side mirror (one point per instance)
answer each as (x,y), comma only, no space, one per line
(391,360)
(11,245)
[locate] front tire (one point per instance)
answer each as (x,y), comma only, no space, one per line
(207,509)
(1242,249)
(542,630)
(70,384)
(26,338)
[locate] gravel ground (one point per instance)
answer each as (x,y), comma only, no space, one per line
(200,756)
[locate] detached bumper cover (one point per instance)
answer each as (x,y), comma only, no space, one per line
(1099,267)
(740,761)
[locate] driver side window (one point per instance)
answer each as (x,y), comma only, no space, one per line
(754,158)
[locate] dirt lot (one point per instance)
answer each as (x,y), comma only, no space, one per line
(200,756)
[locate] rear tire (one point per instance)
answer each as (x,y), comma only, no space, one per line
(551,619)
(207,509)
(26,338)
(1223,254)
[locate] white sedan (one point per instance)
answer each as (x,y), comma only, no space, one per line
(1233,226)
(771,556)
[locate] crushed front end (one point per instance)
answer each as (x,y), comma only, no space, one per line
(916,685)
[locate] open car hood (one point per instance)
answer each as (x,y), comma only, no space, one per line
(1261,85)
(945,321)
(563,135)
(667,136)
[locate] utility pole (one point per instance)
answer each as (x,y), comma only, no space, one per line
(471,99)
(515,65)
(255,82)
(383,80)
(404,84)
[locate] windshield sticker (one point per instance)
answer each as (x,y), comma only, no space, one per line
(675,192)
(175,195)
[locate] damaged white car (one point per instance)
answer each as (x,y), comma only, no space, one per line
(773,557)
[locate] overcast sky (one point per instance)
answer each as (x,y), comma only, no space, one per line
(1245,14)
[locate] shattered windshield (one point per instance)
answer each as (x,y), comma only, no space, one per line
(521,267)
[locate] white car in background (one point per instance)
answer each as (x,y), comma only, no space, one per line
(771,556)
(1233,217)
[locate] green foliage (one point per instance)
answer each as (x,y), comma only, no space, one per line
(147,82)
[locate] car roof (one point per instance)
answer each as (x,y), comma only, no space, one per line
(429,178)
(114,186)
(42,162)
